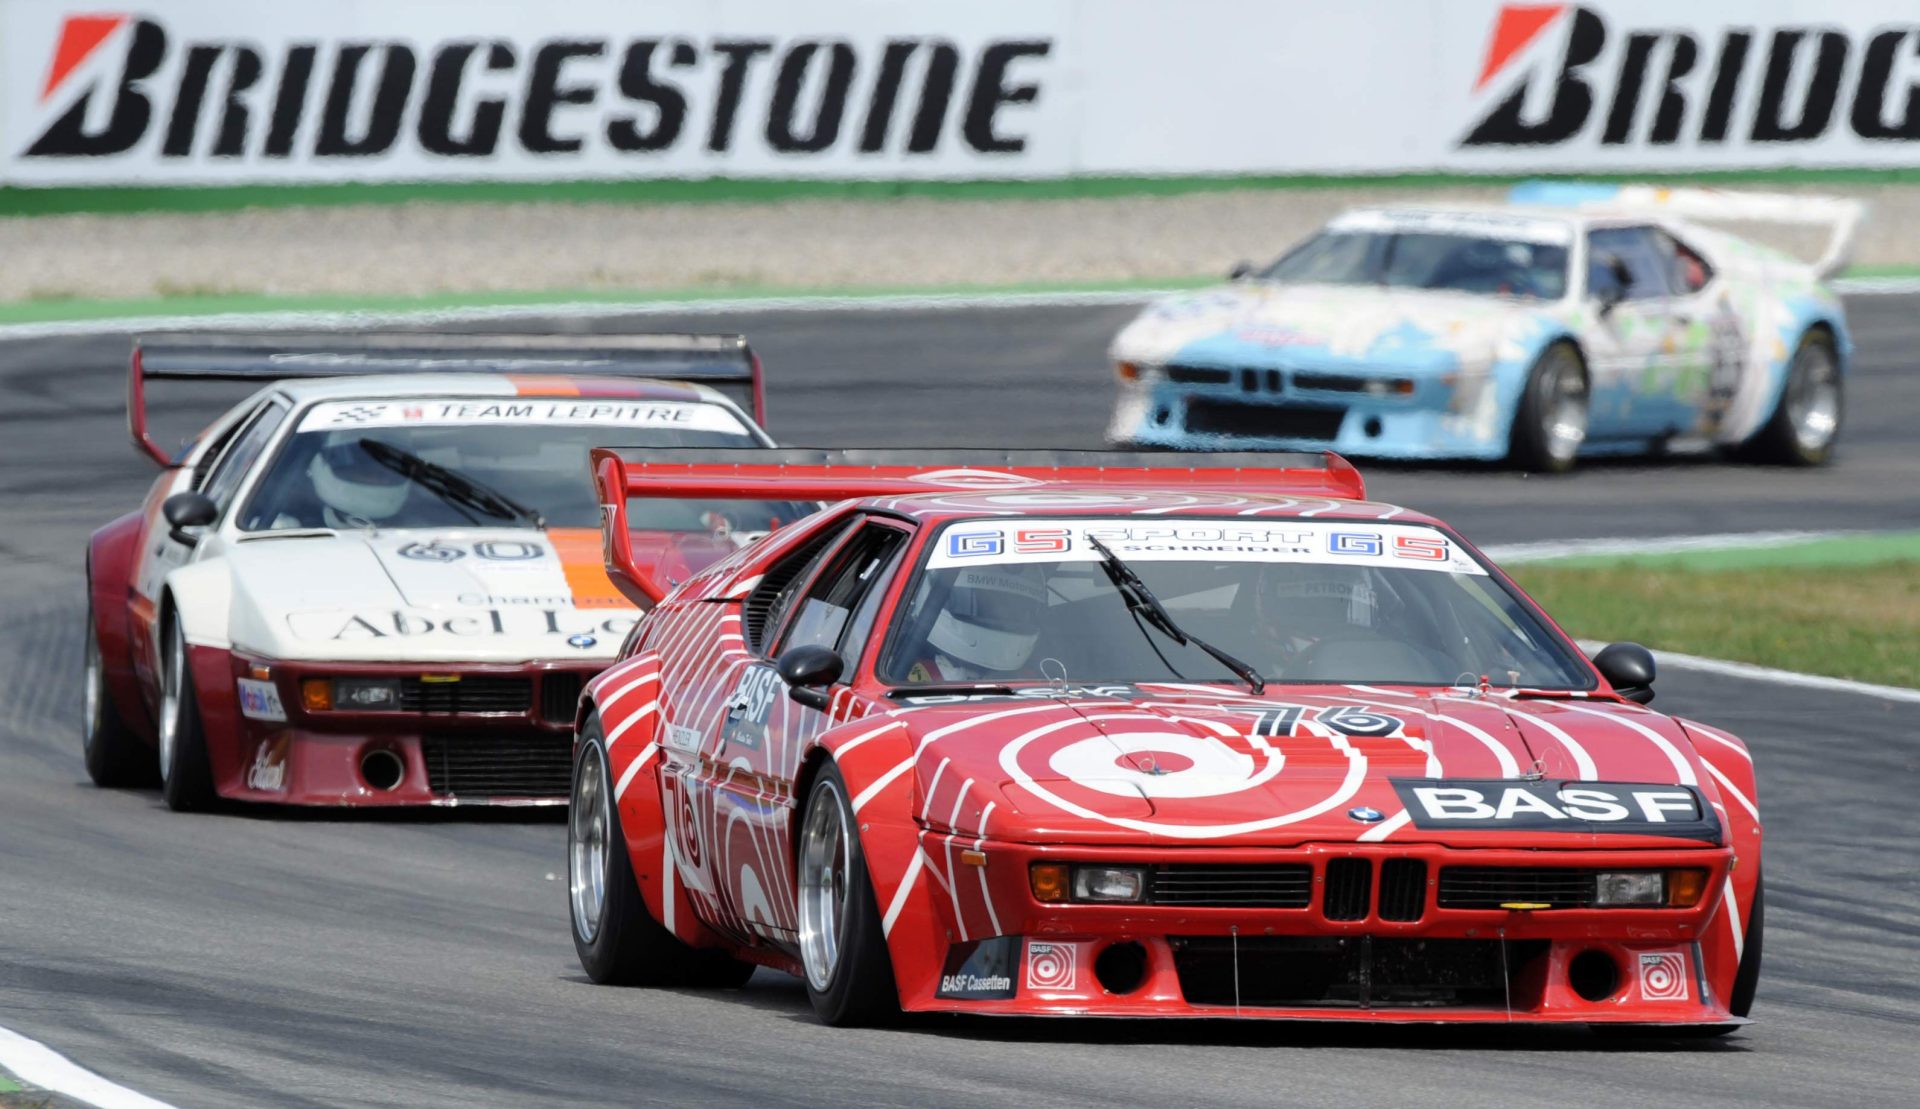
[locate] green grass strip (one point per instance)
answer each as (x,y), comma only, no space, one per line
(54,310)
(1852,550)
(1863,624)
(26,201)
(1846,607)
(9,1086)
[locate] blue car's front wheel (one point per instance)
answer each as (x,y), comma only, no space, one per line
(1550,422)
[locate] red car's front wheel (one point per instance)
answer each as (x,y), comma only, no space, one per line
(843,946)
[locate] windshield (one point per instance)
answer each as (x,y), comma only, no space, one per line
(1297,600)
(1427,260)
(440,462)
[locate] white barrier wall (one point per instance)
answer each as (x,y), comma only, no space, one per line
(225,91)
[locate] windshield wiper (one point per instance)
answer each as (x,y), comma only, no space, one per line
(1144,605)
(450,485)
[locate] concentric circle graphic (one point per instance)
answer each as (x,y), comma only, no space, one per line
(1050,966)
(1125,765)
(1092,767)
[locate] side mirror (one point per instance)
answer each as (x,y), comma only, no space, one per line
(808,670)
(188,510)
(1611,296)
(1628,667)
(1239,270)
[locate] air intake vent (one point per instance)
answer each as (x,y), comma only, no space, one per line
(498,764)
(1259,886)
(758,613)
(1349,887)
(470,693)
(1403,889)
(1198,375)
(1489,887)
(559,696)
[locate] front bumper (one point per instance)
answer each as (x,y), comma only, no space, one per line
(470,734)
(1394,954)
(1270,410)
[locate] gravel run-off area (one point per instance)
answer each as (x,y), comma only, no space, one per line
(426,248)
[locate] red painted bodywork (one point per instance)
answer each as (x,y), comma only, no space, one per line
(711,827)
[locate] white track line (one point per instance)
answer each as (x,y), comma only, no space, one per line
(36,1064)
(1667,544)
(729,306)
(1751,672)
(878,302)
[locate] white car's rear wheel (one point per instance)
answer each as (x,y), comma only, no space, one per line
(114,755)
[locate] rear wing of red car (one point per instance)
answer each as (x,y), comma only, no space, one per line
(803,474)
(724,362)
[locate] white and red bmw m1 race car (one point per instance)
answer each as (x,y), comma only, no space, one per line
(377,580)
(1131,735)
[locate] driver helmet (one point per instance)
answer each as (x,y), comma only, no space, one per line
(1308,602)
(992,617)
(351,485)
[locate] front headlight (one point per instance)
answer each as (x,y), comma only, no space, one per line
(366,694)
(1109,883)
(1630,887)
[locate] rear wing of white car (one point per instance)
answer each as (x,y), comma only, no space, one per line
(724,362)
(1840,216)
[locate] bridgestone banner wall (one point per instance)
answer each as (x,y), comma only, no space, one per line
(230,91)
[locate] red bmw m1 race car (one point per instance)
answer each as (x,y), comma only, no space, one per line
(1044,733)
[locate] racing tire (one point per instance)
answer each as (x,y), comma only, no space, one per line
(843,948)
(186,775)
(115,757)
(615,935)
(1806,420)
(1746,981)
(1550,422)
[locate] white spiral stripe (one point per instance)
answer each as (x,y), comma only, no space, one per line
(1680,764)
(1350,785)
(1581,759)
(900,895)
(1732,790)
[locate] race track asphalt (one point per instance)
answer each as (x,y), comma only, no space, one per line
(266,959)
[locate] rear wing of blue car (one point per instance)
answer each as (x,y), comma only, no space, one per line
(1840,216)
(724,362)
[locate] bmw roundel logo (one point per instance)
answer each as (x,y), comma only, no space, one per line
(582,641)
(1366,815)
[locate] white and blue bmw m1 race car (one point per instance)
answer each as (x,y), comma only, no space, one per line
(1580,320)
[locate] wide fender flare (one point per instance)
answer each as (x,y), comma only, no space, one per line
(876,759)
(1776,339)
(1514,359)
(200,596)
(1730,780)
(626,696)
(113,554)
